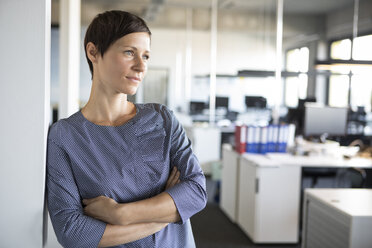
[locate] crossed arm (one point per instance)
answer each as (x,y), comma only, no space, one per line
(127,222)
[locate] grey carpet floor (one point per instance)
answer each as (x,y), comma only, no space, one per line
(213,229)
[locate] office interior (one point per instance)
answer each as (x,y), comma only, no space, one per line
(221,65)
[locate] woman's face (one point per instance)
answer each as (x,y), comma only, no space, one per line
(124,64)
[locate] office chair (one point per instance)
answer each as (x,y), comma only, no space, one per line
(357,177)
(316,173)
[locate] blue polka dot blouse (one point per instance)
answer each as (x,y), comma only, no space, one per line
(128,163)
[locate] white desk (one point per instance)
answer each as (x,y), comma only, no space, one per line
(269,192)
(337,218)
(319,161)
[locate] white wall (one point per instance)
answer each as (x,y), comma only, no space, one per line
(24,111)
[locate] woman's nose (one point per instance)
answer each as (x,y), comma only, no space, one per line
(140,65)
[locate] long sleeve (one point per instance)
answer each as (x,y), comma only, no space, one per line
(190,194)
(72,227)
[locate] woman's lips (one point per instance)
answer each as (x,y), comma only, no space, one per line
(134,79)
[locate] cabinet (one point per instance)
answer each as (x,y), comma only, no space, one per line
(268,205)
(337,218)
(230,182)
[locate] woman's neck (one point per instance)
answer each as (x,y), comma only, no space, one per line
(108,109)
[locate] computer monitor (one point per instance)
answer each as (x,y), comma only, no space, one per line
(324,119)
(222,102)
(255,102)
(197,107)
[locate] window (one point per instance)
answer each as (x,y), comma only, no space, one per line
(356,79)
(361,91)
(297,60)
(338,91)
(341,49)
(360,88)
(362,48)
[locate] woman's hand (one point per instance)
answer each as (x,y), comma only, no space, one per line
(108,210)
(173,179)
(102,208)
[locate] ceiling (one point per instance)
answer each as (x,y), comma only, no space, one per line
(151,10)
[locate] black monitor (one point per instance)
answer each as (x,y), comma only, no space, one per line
(325,119)
(296,116)
(197,107)
(255,102)
(222,102)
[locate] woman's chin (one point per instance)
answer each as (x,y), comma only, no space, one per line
(131,92)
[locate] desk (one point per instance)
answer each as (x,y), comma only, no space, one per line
(269,193)
(319,161)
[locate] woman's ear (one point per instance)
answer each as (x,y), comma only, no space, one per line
(92,52)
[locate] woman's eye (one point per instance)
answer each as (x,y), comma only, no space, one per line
(129,52)
(146,57)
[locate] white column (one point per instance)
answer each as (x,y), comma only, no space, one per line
(69,42)
(188,59)
(278,69)
(178,86)
(25,110)
(212,86)
(355,23)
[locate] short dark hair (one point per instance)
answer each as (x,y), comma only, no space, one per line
(110,26)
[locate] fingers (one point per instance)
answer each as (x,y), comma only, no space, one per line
(87,201)
(173,178)
(91,200)
(172,174)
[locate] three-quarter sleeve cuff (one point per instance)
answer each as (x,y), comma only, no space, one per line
(187,199)
(176,193)
(100,227)
(89,236)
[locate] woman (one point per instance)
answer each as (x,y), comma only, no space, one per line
(121,174)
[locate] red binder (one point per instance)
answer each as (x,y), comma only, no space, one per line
(240,138)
